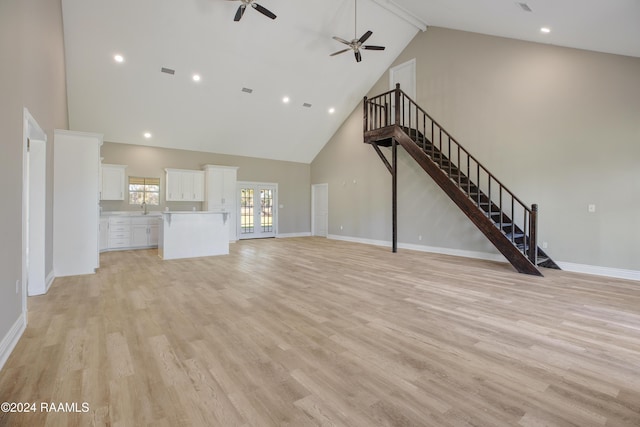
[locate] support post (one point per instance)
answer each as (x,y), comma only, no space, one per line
(394,179)
(398,106)
(365,121)
(533,235)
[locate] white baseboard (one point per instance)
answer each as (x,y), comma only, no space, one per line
(287,235)
(455,252)
(617,273)
(421,248)
(49,281)
(10,340)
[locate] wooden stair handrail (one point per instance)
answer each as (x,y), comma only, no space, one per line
(403,94)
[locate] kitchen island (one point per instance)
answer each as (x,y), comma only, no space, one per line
(191,234)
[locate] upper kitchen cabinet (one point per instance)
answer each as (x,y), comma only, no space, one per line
(185,185)
(220,189)
(113,180)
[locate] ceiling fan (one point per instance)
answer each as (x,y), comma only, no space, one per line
(263,10)
(357,43)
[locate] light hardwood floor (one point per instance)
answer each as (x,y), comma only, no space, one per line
(308,331)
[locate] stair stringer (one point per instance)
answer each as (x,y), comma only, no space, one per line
(519,261)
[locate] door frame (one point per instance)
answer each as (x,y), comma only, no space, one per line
(313,208)
(33,209)
(392,73)
(239,186)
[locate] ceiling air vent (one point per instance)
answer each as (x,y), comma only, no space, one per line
(168,71)
(524,7)
(306,104)
(247,90)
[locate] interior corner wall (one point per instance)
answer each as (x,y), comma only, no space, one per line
(293,179)
(560,127)
(33,76)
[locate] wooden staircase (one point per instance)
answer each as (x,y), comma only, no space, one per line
(393,119)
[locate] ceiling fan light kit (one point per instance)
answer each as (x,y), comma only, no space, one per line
(356,43)
(243,7)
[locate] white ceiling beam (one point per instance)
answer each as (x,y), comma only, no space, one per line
(402,13)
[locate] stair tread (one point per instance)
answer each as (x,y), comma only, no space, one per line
(515,236)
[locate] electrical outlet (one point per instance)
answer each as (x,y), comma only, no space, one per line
(545,245)
(591,208)
(420,237)
(341,227)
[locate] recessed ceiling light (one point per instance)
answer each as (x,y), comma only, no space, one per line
(332,110)
(285,99)
(147,135)
(545,30)
(196,77)
(118,58)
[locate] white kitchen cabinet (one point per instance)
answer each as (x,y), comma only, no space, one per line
(113,182)
(131,231)
(144,232)
(76,193)
(184,185)
(173,183)
(139,235)
(220,189)
(104,234)
(119,232)
(153,232)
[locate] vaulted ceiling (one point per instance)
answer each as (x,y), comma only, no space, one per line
(285,57)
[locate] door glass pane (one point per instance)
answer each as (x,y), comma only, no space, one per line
(246,210)
(266,210)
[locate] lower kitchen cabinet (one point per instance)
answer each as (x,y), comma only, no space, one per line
(130,232)
(104,234)
(144,232)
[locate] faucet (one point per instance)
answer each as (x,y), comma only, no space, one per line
(143,206)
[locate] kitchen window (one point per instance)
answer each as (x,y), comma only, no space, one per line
(144,190)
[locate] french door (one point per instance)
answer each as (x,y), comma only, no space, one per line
(257,210)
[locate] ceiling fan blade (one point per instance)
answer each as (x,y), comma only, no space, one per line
(341,40)
(263,10)
(370,47)
(365,36)
(358,56)
(339,52)
(240,12)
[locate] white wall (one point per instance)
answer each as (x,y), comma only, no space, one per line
(32,76)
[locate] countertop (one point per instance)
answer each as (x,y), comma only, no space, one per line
(107,214)
(193,212)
